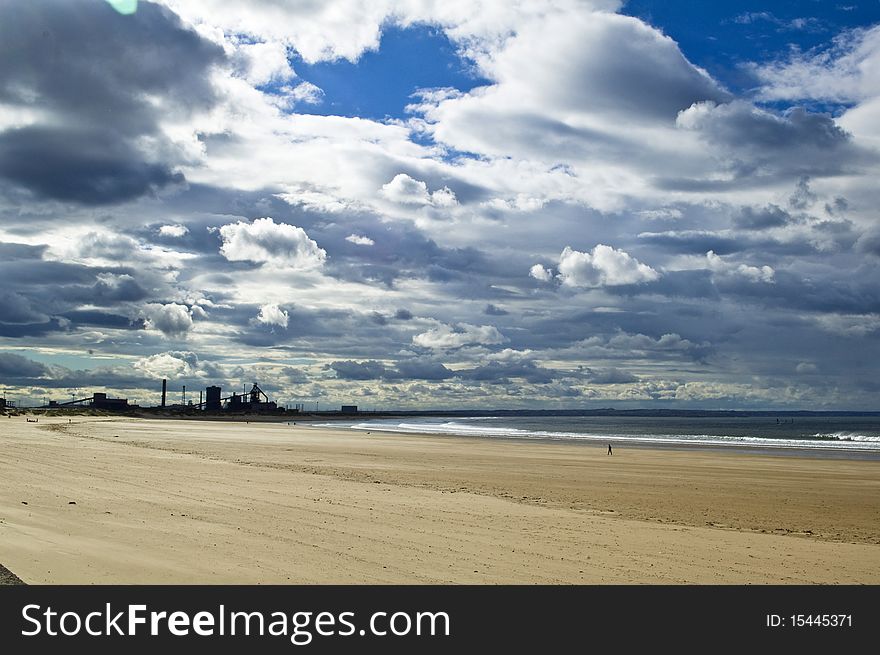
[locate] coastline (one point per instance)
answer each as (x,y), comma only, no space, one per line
(188,501)
(629,443)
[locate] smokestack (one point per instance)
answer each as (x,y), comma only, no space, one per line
(164,387)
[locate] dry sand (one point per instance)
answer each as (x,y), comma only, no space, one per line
(183,501)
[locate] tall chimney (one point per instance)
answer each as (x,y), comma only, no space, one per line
(164,387)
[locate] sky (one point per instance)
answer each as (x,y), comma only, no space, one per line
(467,204)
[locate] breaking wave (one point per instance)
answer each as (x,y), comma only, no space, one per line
(829,441)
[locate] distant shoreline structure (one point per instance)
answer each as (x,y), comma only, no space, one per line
(282,414)
(213,403)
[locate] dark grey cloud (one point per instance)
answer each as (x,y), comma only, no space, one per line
(744,126)
(13,251)
(15,367)
(494,310)
(95,318)
(869,242)
(406,369)
(837,206)
(39,272)
(85,60)
(802,196)
(295,375)
(611,376)
(378,318)
(91,70)
(44,296)
(316,325)
(727,242)
(856,295)
(760,147)
(425,369)
(650,328)
(422,369)
(125,289)
(763,218)
(17,309)
(347,370)
(502,372)
(86,166)
(695,241)
(697,284)
(32,330)
(405,252)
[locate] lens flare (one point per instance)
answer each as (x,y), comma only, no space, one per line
(124,6)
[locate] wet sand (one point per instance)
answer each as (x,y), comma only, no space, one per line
(183,501)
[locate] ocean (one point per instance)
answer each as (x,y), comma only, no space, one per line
(823,436)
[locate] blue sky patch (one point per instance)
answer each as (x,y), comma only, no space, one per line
(380,84)
(722,36)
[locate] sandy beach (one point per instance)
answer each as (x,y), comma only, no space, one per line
(120,500)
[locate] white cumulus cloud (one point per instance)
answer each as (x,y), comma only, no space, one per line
(752,273)
(172,320)
(540,273)
(172,364)
(360,240)
(406,190)
(306,92)
(272,314)
(268,242)
(603,266)
(462,334)
(265,62)
(175,231)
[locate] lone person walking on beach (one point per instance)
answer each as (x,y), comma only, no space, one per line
(609,450)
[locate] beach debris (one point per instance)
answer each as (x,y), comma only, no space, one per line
(72,502)
(24,502)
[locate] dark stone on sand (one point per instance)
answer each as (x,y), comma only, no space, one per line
(7,577)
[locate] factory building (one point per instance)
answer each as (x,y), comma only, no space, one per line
(101,401)
(254,401)
(213,403)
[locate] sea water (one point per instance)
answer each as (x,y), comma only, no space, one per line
(845,436)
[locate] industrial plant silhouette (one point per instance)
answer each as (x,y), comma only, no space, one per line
(212,401)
